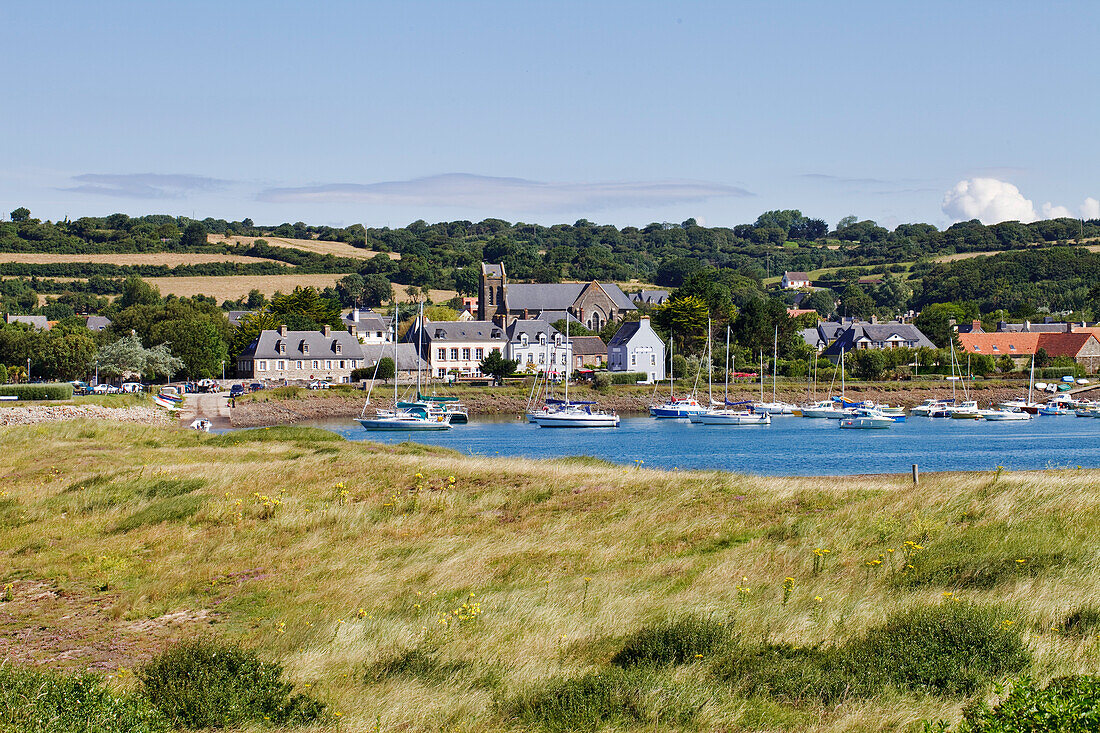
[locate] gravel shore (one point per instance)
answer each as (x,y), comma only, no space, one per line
(34,414)
(280,412)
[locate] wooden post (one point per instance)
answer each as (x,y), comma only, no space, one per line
(916,475)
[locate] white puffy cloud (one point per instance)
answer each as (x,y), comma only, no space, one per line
(1050,211)
(1090,209)
(988,200)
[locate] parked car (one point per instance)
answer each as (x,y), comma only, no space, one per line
(132,387)
(236,390)
(319,385)
(80,387)
(255,386)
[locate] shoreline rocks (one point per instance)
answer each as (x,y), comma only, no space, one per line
(35,414)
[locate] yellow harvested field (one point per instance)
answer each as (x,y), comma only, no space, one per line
(171,259)
(233,287)
(339,249)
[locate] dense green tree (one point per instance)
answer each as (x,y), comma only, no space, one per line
(495,365)
(821,300)
(856,303)
(65,355)
(21,214)
(934,321)
(376,290)
(197,342)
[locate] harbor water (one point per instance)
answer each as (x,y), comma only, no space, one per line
(790,446)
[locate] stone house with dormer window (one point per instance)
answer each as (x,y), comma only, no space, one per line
(284,355)
(456,346)
(536,346)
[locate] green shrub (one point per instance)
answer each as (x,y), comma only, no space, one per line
(679,641)
(47,702)
(602,380)
(1081,621)
(205,684)
(285,393)
(628,377)
(950,649)
(62,391)
(614,697)
(1067,705)
(172,509)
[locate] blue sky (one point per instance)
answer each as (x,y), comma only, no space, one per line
(618,112)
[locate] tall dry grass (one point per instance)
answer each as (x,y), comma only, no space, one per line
(368,552)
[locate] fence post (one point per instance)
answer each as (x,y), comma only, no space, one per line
(916,475)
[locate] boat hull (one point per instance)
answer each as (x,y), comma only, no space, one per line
(403,424)
(733,419)
(866,423)
(555,420)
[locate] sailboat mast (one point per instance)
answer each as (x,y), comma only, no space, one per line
(710,363)
(671,369)
(761,376)
(775,360)
(395,318)
(842,371)
(726,396)
(419,349)
(1031,379)
(567,371)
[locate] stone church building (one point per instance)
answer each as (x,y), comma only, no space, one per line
(592,304)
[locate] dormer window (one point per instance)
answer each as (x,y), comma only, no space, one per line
(337,347)
(280,347)
(303,346)
(542,338)
(523,339)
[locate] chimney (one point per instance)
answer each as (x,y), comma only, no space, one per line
(975,326)
(326,329)
(355,314)
(282,330)
(874,318)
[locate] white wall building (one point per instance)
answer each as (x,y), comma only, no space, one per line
(636,347)
(537,346)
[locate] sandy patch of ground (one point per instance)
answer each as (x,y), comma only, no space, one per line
(170,259)
(339,249)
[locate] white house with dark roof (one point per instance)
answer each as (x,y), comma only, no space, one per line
(371,327)
(860,335)
(456,346)
(636,347)
(537,346)
(301,355)
(795,280)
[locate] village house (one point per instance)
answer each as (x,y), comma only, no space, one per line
(795,280)
(38,322)
(589,351)
(456,346)
(1082,347)
(408,363)
(650,297)
(537,346)
(636,347)
(593,304)
(278,355)
(371,327)
(831,337)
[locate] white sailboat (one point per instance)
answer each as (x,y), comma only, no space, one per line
(675,408)
(401,419)
(724,415)
(575,414)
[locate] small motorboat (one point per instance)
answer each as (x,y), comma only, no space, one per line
(997,415)
(866,422)
(201,424)
(731,417)
(577,415)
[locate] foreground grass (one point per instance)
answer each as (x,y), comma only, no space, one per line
(406,600)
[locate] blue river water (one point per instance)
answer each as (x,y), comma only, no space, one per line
(790,446)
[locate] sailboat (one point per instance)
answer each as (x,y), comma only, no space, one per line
(724,415)
(574,414)
(834,408)
(1025,405)
(774,407)
(675,408)
(399,418)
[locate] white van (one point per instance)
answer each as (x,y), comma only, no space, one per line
(132,387)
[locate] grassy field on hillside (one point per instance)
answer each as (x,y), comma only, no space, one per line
(415,589)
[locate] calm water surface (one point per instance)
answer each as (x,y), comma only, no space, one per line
(790,446)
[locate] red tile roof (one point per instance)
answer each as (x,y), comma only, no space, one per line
(998,344)
(1064,344)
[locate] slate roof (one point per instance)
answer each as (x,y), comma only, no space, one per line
(796,276)
(36,321)
(625,333)
(407,359)
(265,346)
(532,327)
(98,323)
(368,320)
(460,331)
(876,332)
(236,316)
(555,316)
(559,296)
(491,270)
(588,345)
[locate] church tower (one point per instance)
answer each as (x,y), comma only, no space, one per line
(492,302)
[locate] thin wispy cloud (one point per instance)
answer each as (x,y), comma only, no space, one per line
(511,194)
(827,178)
(144,185)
